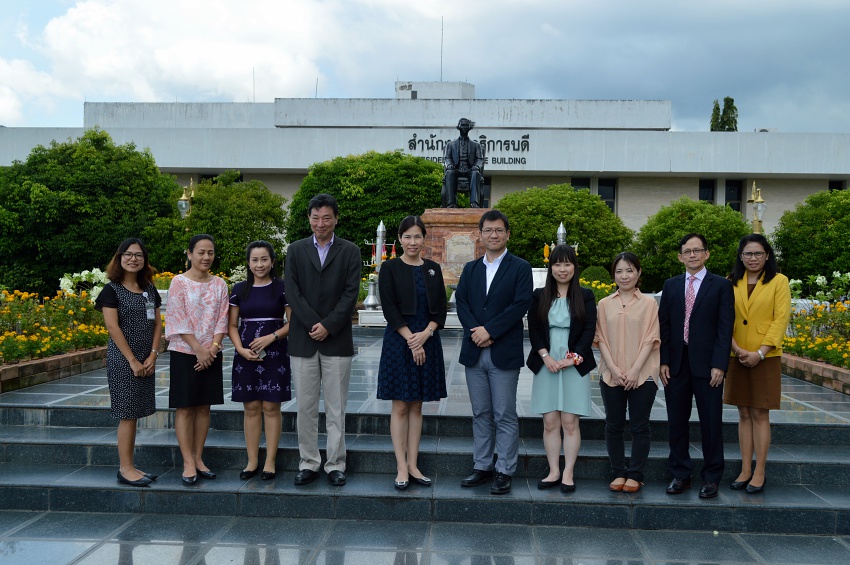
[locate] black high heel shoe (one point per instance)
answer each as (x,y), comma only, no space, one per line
(741,485)
(190,481)
(206,474)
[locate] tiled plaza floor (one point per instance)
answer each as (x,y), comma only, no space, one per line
(30,538)
(801,402)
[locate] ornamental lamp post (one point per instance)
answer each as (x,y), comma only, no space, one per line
(184,204)
(759,208)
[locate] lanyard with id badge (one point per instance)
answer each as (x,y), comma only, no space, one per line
(150,306)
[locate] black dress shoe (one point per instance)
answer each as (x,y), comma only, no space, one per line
(401,485)
(423,480)
(151,477)
(568,488)
(543,485)
(267,475)
(478,477)
(306,476)
(754,489)
(708,490)
(206,474)
(678,486)
(143,482)
(336,478)
(502,485)
(190,481)
(740,485)
(246,474)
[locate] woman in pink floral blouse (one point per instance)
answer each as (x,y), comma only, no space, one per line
(195,325)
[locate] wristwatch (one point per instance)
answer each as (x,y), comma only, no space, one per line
(544,356)
(760,354)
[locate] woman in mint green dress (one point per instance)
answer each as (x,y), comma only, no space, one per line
(561,327)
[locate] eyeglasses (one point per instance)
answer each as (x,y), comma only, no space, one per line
(753,254)
(497,231)
(689,252)
(128,255)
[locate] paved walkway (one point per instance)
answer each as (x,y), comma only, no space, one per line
(802,402)
(29,538)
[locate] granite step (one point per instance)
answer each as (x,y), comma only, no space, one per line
(790,464)
(798,509)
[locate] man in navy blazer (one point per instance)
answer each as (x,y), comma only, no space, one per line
(493,296)
(696,316)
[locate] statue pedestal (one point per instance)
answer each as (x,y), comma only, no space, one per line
(452,239)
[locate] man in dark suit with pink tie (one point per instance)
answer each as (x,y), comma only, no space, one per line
(696,316)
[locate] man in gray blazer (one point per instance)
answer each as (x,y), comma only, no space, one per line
(493,295)
(322,280)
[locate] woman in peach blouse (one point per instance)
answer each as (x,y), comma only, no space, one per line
(195,324)
(627,334)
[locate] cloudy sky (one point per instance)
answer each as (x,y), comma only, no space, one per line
(785,62)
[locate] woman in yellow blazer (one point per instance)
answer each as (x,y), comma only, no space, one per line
(753,383)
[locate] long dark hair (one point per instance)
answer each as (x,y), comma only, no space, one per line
(770,268)
(562,254)
(115,272)
(249,281)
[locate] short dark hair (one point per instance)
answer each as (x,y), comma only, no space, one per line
(492,216)
(194,241)
(467,120)
(690,236)
(409,222)
(115,272)
(629,258)
(770,267)
(322,200)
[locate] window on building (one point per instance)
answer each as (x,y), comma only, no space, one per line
(734,189)
(608,192)
(211,176)
(706,190)
(580,182)
(837,185)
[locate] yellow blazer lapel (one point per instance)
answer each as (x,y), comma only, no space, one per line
(741,296)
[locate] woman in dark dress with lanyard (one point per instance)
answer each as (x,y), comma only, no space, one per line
(130,306)
(411,370)
(261,375)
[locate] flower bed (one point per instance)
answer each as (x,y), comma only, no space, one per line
(821,333)
(34,327)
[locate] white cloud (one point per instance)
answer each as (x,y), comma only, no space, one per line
(774,56)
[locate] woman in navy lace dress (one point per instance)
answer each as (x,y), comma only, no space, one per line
(261,375)
(412,370)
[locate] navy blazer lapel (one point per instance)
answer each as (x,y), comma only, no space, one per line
(500,273)
(704,289)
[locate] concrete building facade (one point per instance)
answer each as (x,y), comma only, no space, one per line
(623,150)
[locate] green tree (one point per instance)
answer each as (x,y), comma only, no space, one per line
(369,188)
(715,117)
(812,238)
(535,214)
(68,206)
(729,116)
(727,120)
(657,242)
(234,213)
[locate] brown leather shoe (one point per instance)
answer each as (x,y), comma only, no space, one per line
(631,489)
(615,486)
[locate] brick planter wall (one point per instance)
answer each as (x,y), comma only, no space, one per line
(822,374)
(29,373)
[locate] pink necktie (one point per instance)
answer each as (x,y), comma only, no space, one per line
(690,297)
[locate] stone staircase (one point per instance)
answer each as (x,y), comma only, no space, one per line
(65,459)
